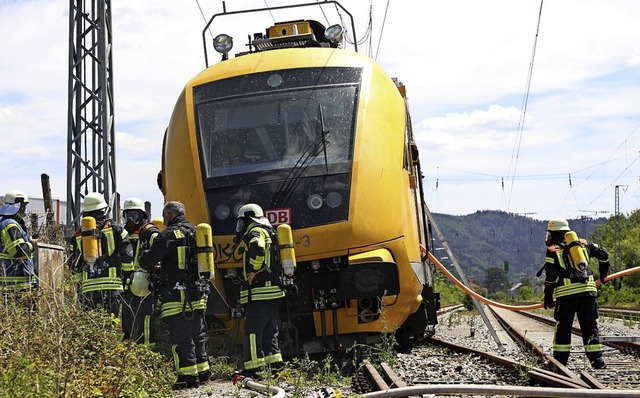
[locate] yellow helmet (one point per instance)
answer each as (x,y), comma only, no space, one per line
(140,283)
(558,224)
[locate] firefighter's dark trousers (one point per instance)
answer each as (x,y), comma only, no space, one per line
(109,300)
(261,334)
(138,324)
(586,309)
(188,335)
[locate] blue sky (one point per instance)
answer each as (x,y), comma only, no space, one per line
(465,65)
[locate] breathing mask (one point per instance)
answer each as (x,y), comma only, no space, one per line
(133,216)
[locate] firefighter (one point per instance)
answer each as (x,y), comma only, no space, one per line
(138,302)
(17,272)
(183,304)
(260,295)
(101,278)
(571,290)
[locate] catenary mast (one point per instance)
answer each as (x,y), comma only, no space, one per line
(91,136)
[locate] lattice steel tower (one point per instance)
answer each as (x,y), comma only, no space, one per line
(91,163)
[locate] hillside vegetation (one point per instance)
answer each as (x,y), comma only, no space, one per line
(489,238)
(485,241)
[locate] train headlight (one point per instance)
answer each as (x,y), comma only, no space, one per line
(223,43)
(334,34)
(315,201)
(315,265)
(222,212)
(333,200)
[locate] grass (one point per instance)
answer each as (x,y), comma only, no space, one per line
(60,350)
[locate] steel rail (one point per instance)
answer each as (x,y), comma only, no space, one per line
(520,391)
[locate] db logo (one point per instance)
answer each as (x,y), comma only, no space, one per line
(278,216)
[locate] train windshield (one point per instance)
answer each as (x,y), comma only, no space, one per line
(277,130)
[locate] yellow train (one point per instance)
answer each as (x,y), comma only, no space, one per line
(321,138)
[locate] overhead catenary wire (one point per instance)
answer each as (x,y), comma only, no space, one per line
(550,176)
(600,166)
(384,19)
(525,100)
(322,11)
(270,13)
(577,176)
(203,16)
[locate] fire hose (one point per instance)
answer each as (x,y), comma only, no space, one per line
(247,382)
(475,389)
(515,307)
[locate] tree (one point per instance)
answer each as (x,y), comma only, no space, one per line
(629,244)
(495,279)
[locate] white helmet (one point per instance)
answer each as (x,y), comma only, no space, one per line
(16,196)
(252,211)
(558,224)
(134,204)
(134,211)
(140,283)
(94,201)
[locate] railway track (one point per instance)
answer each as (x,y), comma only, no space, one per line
(629,314)
(458,368)
(536,333)
(387,383)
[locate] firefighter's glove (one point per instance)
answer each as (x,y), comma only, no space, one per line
(548,299)
(604,270)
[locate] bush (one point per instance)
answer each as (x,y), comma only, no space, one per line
(450,294)
(59,350)
(624,297)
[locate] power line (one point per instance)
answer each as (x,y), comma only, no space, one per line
(525,100)
(382,29)
(204,17)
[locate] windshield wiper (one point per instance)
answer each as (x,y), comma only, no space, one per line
(303,162)
(323,134)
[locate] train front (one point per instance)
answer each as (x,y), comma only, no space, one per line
(317,137)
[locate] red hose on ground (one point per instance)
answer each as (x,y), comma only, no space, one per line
(515,307)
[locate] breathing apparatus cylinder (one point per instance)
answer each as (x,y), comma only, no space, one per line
(287,252)
(159,223)
(90,242)
(140,283)
(204,250)
(576,254)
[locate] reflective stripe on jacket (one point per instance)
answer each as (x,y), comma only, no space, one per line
(116,250)
(16,255)
(257,258)
(170,247)
(564,285)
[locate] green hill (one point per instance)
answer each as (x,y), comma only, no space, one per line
(489,238)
